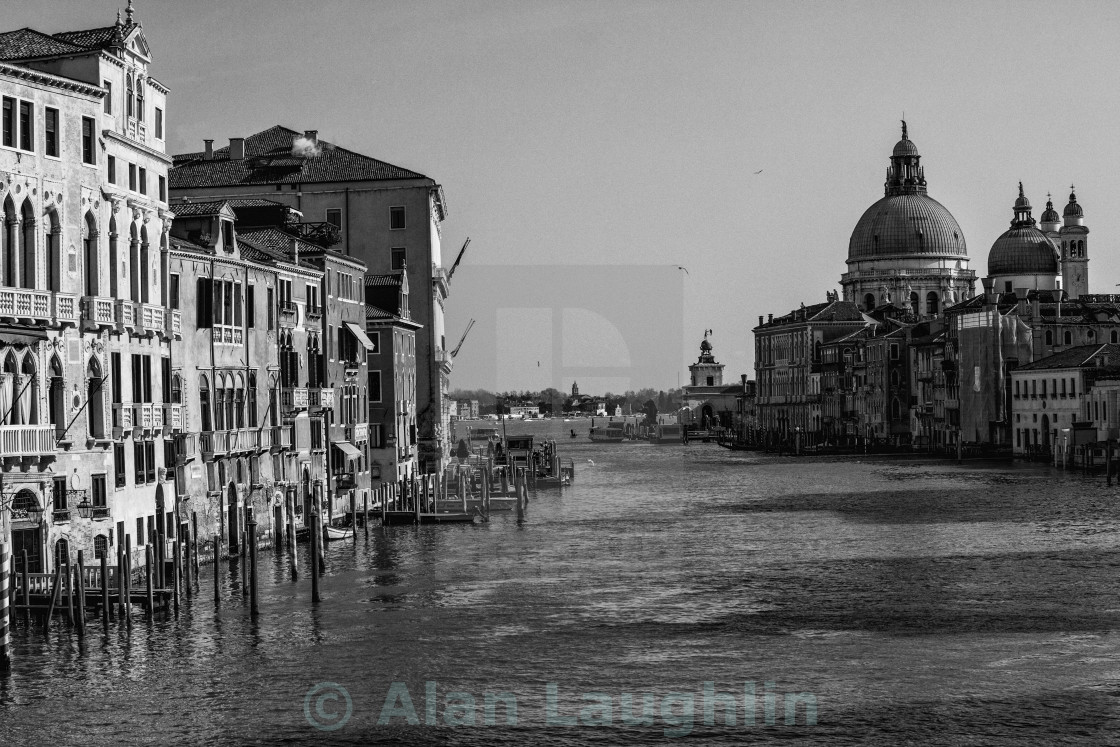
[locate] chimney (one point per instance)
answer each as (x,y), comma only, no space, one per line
(769,318)
(990,295)
(760,320)
(312,135)
(208,151)
(236,148)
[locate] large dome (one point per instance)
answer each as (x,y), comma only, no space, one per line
(1023,251)
(908,223)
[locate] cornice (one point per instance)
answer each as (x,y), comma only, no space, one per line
(113,135)
(54,81)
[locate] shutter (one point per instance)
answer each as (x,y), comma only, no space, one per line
(203,303)
(249,307)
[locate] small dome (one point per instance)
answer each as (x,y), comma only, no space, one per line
(1023,250)
(905,147)
(705,345)
(1073,210)
(1021,202)
(1049,215)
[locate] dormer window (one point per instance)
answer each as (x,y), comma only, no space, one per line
(227,235)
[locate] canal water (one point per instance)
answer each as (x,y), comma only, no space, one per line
(888,601)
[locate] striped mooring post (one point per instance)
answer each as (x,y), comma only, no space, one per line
(5,631)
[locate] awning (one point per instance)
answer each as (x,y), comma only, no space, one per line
(360,333)
(348,449)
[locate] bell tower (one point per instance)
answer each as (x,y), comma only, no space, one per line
(1075,257)
(706,371)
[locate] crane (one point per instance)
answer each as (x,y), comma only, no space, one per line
(451,272)
(462,339)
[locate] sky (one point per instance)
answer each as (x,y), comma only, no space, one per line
(741,140)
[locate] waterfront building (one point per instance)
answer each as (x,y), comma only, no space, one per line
(788,363)
(392,377)
(387,217)
(709,402)
(1052,397)
(86,338)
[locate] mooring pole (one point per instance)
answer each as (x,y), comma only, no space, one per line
(69,589)
(120,580)
(26,588)
(217,581)
(289,508)
(105,589)
(149,595)
(128,577)
(176,589)
(315,539)
(5,626)
(365,513)
(252,565)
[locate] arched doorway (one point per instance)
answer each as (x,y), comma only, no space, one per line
(57,401)
(29,392)
(707,419)
(307,494)
(26,534)
(96,400)
(52,251)
(62,553)
(1045,432)
(89,247)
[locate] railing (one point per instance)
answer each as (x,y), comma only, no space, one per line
(60,514)
(288,314)
(294,398)
(282,436)
(65,308)
(230,442)
(20,303)
(265,436)
(124,415)
(153,318)
(321,397)
(101,512)
(98,310)
(358,433)
(27,440)
(344,480)
(175,415)
(175,318)
(313,315)
(126,313)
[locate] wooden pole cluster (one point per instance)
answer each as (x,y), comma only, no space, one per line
(104,588)
(217,580)
(315,540)
(252,532)
(292,555)
(149,552)
(5,625)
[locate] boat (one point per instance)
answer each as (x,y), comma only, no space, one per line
(339,533)
(665,433)
(424,517)
(614,433)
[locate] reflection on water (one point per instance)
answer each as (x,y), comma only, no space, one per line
(917,601)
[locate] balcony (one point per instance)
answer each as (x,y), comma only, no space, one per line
(174,321)
(27,440)
(101,512)
(175,416)
(313,317)
(321,398)
(289,315)
(228,335)
(125,315)
(217,443)
(152,318)
(357,433)
(344,480)
(185,448)
(281,437)
(65,309)
(60,515)
(22,304)
(98,310)
(440,279)
(294,398)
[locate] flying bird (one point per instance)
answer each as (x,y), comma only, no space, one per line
(686,272)
(759,171)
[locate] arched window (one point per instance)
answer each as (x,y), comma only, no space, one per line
(230,422)
(931,303)
(96,400)
(1067,337)
(177,389)
(113,253)
(134,260)
(100,546)
(130,96)
(9,391)
(869,302)
(52,247)
(10,238)
(29,392)
(140,99)
(89,251)
(1049,337)
(204,403)
(273,401)
(27,264)
(57,400)
(1091,335)
(219,402)
(253,399)
(896,409)
(239,402)
(1112,336)
(145,261)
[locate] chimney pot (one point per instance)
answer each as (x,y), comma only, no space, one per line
(208,150)
(312,135)
(769,318)
(236,148)
(760,320)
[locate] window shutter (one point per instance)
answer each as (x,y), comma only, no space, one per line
(249,307)
(203,303)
